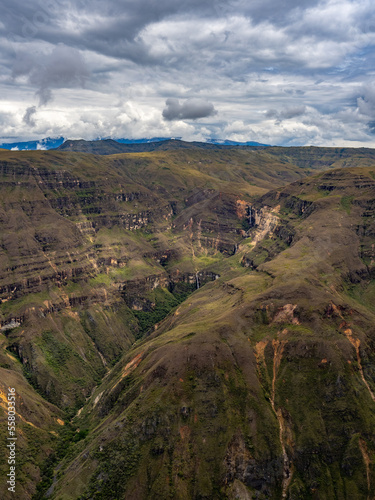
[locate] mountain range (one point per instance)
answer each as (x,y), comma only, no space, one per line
(55,143)
(191,321)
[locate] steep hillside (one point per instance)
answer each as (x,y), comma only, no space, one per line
(139,382)
(262,384)
(322,158)
(309,157)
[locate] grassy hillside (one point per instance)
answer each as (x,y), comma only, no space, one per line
(261,384)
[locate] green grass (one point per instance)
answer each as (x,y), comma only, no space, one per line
(364,294)
(16,305)
(164,302)
(56,353)
(346,203)
(100,279)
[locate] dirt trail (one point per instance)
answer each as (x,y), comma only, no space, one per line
(367,461)
(278,348)
(356,344)
(259,352)
(362,444)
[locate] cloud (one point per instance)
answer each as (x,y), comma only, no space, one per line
(45,95)
(114,61)
(366,106)
(287,113)
(371,126)
(28,116)
(64,67)
(366,101)
(192,109)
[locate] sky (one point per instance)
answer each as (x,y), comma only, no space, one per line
(282,72)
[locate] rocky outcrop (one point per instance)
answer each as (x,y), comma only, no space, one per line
(13,323)
(135,292)
(262,222)
(241,465)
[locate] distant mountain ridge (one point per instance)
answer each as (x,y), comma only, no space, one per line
(143,144)
(46,143)
(110,146)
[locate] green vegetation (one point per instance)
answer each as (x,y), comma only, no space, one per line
(56,353)
(118,462)
(164,302)
(346,203)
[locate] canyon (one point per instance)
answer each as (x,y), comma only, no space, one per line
(189,322)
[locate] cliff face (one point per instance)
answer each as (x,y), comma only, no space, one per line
(49,221)
(223,331)
(54,218)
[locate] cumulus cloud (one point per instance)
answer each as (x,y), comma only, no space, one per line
(64,67)
(192,109)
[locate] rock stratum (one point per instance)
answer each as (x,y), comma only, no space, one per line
(189,323)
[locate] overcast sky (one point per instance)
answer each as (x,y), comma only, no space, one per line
(292,72)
